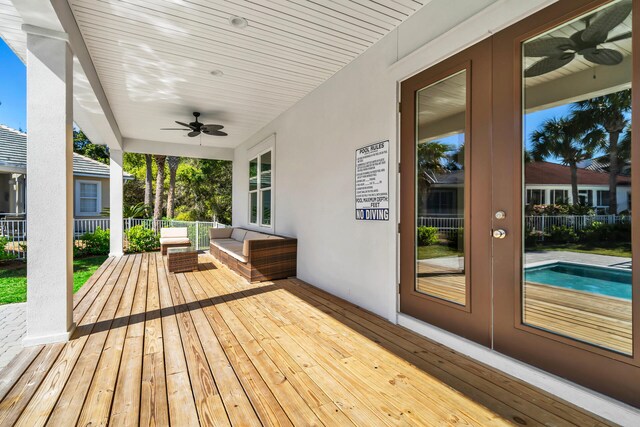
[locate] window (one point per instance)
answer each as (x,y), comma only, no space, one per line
(260,170)
(585,197)
(603,198)
(535,197)
(441,202)
(559,197)
(88,195)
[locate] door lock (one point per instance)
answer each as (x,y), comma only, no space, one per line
(499,234)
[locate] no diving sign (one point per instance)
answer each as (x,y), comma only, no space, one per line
(372,182)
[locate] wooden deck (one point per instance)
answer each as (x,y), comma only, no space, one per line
(595,319)
(209,348)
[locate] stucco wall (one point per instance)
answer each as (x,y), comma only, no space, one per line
(316,141)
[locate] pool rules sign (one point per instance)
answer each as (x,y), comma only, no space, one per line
(372,182)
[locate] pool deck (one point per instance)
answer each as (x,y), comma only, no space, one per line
(596,319)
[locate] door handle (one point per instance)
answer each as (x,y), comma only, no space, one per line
(499,234)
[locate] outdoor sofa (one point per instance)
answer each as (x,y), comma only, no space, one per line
(255,256)
(173,237)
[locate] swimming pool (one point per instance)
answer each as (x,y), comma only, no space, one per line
(612,282)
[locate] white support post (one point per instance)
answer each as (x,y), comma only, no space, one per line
(50,200)
(115,203)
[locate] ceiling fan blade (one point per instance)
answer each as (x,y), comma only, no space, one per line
(622,36)
(605,21)
(173,129)
(212,127)
(194,133)
(552,46)
(184,124)
(547,65)
(217,133)
(604,56)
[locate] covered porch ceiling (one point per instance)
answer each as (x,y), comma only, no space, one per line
(149,63)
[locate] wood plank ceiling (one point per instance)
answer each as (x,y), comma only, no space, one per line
(155,57)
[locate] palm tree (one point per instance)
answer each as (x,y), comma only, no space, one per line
(157,209)
(567,140)
(173,163)
(608,113)
(432,160)
(148,192)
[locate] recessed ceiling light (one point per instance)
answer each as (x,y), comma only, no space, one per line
(238,22)
(217,73)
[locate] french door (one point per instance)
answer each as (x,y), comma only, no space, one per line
(517,194)
(446,194)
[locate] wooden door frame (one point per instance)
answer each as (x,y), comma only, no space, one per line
(472,321)
(606,371)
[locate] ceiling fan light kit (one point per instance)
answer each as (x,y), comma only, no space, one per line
(556,52)
(195,128)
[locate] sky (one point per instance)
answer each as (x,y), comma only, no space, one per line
(13,89)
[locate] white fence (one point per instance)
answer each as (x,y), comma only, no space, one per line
(538,223)
(15,231)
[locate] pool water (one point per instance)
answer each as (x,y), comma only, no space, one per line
(598,280)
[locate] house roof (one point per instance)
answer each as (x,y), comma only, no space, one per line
(13,156)
(546,173)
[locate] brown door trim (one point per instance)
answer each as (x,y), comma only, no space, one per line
(606,371)
(472,321)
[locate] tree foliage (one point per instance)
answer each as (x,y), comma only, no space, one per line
(202,187)
(82,145)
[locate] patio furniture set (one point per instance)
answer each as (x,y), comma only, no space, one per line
(255,256)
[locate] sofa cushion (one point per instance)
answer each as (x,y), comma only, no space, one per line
(173,232)
(238,234)
(174,240)
(220,233)
(252,235)
(231,247)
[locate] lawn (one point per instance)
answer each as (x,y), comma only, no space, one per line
(436,251)
(13,281)
(611,249)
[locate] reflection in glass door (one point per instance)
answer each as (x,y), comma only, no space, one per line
(440,178)
(577,179)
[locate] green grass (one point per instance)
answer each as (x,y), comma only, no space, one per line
(436,251)
(13,281)
(612,249)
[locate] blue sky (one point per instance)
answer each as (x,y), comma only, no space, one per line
(13,89)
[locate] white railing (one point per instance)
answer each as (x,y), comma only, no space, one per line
(15,231)
(445,224)
(543,223)
(536,223)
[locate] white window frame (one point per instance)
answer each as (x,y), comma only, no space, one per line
(255,153)
(552,196)
(98,184)
(599,198)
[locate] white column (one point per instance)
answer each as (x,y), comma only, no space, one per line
(115,202)
(50,174)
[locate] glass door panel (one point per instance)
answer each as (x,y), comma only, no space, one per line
(576,279)
(445,184)
(441,111)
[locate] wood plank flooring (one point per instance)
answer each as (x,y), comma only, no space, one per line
(588,317)
(208,348)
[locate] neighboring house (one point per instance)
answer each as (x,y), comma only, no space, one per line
(545,184)
(90,179)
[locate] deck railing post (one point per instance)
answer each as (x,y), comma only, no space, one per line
(197,235)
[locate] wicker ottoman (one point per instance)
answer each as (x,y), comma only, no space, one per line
(182,259)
